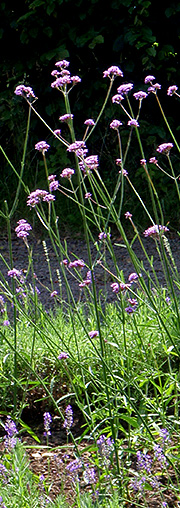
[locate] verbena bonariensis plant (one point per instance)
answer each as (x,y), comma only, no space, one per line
(123,371)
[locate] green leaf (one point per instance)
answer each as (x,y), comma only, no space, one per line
(130,419)
(29,430)
(99,39)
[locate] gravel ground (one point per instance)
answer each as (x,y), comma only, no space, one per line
(76,248)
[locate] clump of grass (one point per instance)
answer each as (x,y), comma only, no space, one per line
(117,362)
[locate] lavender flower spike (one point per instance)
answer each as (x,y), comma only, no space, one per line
(11,431)
(47,424)
(68,418)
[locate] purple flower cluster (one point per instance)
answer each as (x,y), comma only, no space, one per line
(133,123)
(124,89)
(172,90)
(63,77)
(2,305)
(11,431)
(91,162)
(68,418)
(37,196)
(89,475)
(155,231)
(25,91)
(42,146)
(103,236)
(93,334)
(78,263)
(47,424)
(112,72)
(116,99)
(164,148)
(63,356)
(105,448)
(14,273)
(140,95)
(67,173)
(115,124)
(89,122)
(65,118)
(87,281)
(23,228)
(53,183)
(144,461)
(2,505)
(76,146)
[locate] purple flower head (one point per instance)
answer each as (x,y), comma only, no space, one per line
(172,89)
(128,215)
(11,431)
(149,79)
(103,236)
(115,287)
(133,276)
(2,505)
(133,302)
(92,161)
(36,196)
(115,124)
(47,424)
(6,322)
(14,273)
(143,162)
(93,334)
(164,148)
(57,132)
(68,418)
(67,173)
(105,447)
(78,263)
(144,461)
(124,172)
(124,89)
(42,146)
(63,356)
(129,309)
(53,185)
(89,475)
(154,88)
(164,434)
(158,453)
(66,117)
(153,160)
(55,73)
(133,123)
(25,91)
(112,72)
(116,99)
(75,80)
(168,300)
(90,122)
(23,228)
(124,287)
(77,145)
(61,82)
(140,95)
(54,294)
(63,64)
(88,195)
(155,231)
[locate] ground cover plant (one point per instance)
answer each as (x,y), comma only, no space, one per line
(113,362)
